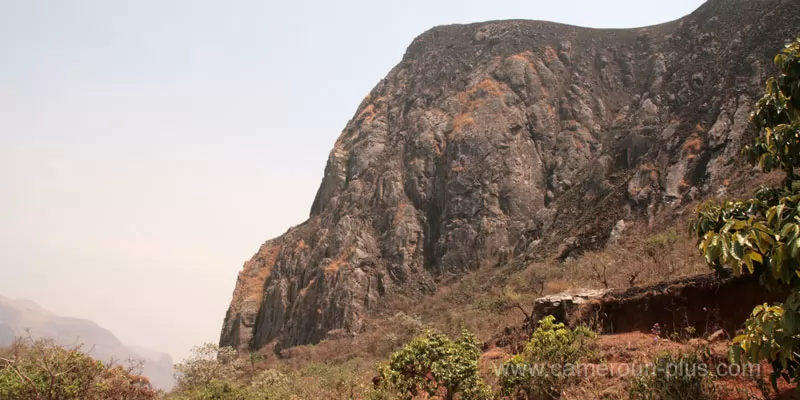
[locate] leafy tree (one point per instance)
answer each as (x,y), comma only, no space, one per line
(548,362)
(435,365)
(761,235)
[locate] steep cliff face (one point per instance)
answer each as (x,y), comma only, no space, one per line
(504,140)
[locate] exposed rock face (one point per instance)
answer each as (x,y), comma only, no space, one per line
(501,140)
(564,306)
(703,302)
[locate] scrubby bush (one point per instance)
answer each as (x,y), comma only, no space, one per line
(674,377)
(209,363)
(219,373)
(433,364)
(213,373)
(549,361)
(42,370)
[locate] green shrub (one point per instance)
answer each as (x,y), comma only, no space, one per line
(674,377)
(433,364)
(549,362)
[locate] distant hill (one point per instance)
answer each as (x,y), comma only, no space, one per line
(17,316)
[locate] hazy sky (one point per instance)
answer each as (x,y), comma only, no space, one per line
(147,148)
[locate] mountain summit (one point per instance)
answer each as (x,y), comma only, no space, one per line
(511,140)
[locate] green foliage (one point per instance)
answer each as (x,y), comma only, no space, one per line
(213,373)
(495,304)
(754,235)
(543,369)
(209,363)
(674,377)
(438,366)
(215,389)
(40,369)
(660,243)
(777,113)
(761,235)
(772,333)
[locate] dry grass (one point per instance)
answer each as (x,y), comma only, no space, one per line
(623,353)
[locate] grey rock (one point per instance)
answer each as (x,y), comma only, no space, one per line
(565,305)
(717,336)
(616,233)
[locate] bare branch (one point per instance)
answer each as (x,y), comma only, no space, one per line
(527,316)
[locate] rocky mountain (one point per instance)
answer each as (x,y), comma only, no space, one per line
(18,317)
(511,140)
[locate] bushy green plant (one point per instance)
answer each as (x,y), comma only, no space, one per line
(674,377)
(549,361)
(761,235)
(435,365)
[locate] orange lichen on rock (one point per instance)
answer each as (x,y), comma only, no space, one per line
(343,259)
(651,171)
(700,127)
(550,54)
(370,111)
(437,148)
(398,214)
(577,142)
(250,283)
(304,290)
(487,87)
(476,95)
(462,121)
(367,114)
(473,98)
(526,55)
(693,145)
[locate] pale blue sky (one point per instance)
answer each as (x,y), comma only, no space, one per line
(147,148)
